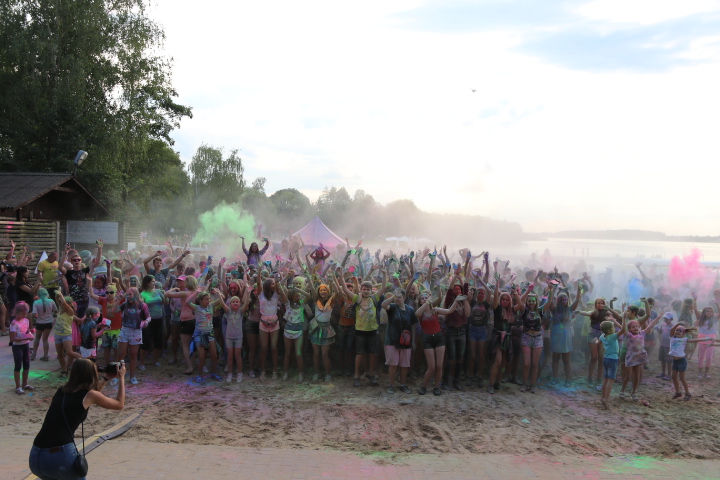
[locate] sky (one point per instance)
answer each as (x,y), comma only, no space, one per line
(559,115)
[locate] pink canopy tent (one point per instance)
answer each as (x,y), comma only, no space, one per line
(315,233)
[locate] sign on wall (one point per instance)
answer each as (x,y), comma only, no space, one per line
(88,232)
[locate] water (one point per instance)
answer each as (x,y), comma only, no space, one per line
(621,251)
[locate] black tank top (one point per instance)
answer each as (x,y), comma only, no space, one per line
(55,431)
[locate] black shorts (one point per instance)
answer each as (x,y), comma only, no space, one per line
(433,341)
(43,326)
(217,323)
(366,342)
(251,328)
(187,327)
(346,338)
(152,335)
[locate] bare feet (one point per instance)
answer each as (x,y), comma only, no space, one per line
(605,404)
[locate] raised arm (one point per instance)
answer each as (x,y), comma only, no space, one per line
(147,261)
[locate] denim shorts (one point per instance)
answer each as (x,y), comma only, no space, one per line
(679,364)
(202,339)
(54,465)
(431,342)
(610,365)
(367,342)
(63,339)
(532,341)
(593,335)
(132,336)
(477,334)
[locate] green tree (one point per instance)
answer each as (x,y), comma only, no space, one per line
(215,178)
(290,203)
(84,75)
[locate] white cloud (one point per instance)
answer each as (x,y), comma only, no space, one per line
(331,93)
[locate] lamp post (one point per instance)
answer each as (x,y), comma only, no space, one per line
(79,159)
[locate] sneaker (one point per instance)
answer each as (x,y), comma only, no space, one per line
(513,380)
(405,389)
(634,396)
(215,376)
(134,380)
(285,376)
(374,381)
(567,383)
(660,375)
(227,368)
(349,373)
(458,386)
(687,397)
(422,391)
(141,368)
(677,395)
(437,392)
(491,390)
(391,389)
(205,369)
(444,386)
(480,383)
(525,388)
(229,378)
(316,377)
(357,382)
(114,382)
(300,377)
(274,376)
(239,378)
(496,386)
(532,389)
(252,374)
(328,378)
(44,359)
(262,376)
(158,364)
(198,379)
(622,395)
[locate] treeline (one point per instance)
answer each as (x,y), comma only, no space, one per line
(631,235)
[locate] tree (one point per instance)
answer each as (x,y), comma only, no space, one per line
(84,75)
(215,178)
(290,203)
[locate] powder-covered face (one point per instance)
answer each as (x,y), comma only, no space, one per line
(457,290)
(481,295)
(505,301)
(532,301)
(634,327)
(599,304)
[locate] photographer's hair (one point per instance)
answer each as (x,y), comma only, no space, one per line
(83,376)
(146,282)
(21,307)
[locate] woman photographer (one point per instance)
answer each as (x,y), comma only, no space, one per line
(53,453)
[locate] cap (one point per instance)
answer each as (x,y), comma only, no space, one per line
(182,277)
(669,315)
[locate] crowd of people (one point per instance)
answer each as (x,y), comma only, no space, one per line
(448,321)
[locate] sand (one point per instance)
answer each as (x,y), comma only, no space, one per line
(318,415)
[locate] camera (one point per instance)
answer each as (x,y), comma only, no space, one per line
(111,368)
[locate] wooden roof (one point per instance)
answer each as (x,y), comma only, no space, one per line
(20,189)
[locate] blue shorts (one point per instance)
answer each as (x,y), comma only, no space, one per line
(202,339)
(610,365)
(477,334)
(679,364)
(63,338)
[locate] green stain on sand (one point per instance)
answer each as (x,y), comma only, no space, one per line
(625,464)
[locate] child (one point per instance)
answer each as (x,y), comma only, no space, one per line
(204,335)
(91,331)
(636,355)
(234,333)
(611,358)
(663,354)
(43,311)
(679,363)
(20,335)
(63,332)
(295,314)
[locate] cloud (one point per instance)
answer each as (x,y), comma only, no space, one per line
(589,36)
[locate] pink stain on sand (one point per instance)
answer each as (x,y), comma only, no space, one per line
(689,270)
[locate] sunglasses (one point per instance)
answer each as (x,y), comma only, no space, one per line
(77,259)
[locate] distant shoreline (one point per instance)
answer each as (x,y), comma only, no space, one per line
(632,235)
